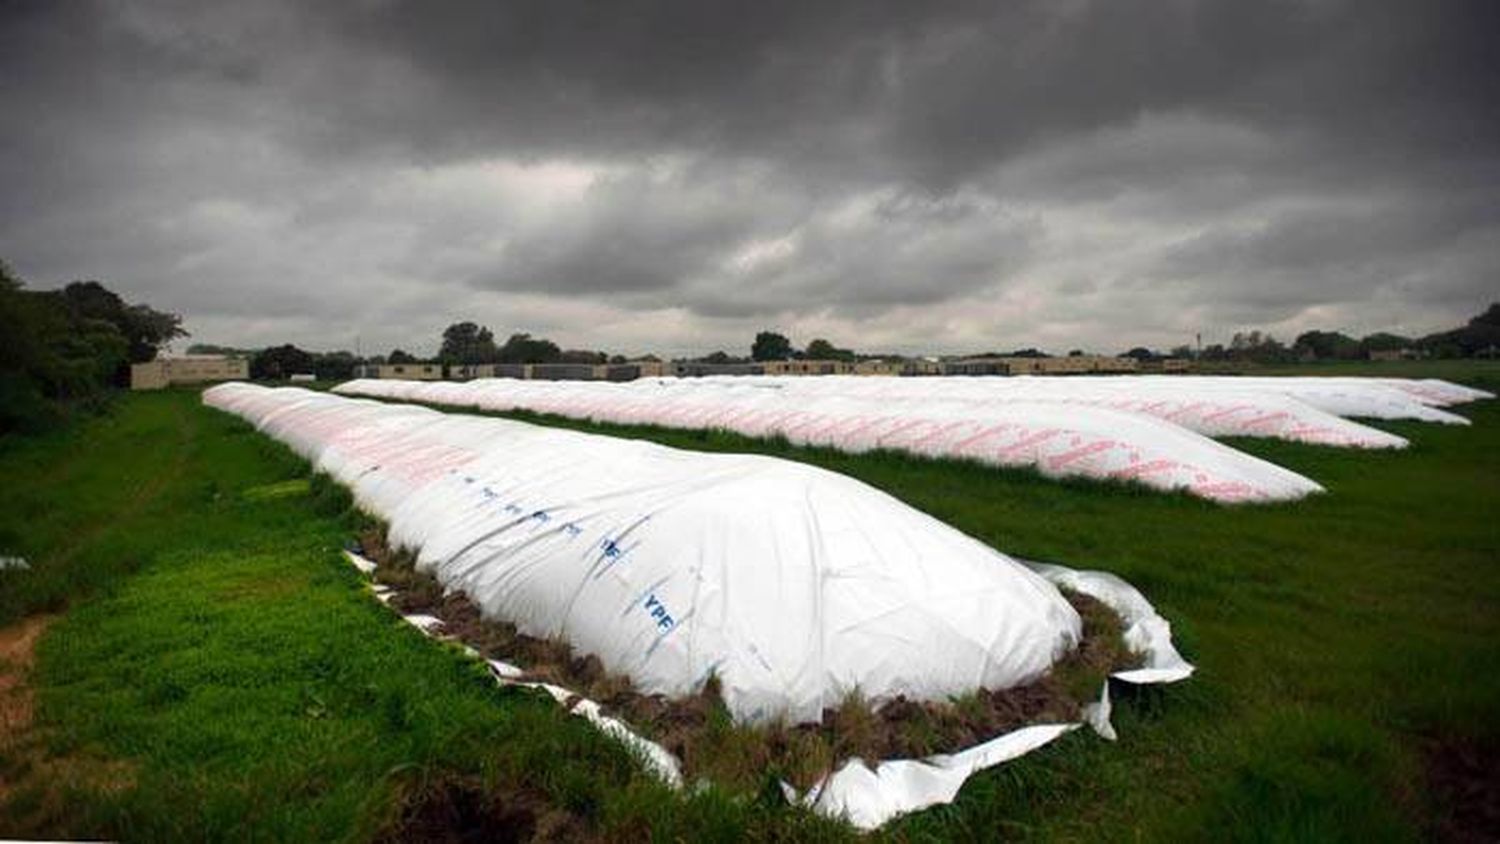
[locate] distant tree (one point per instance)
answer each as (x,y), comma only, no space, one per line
(467,343)
(1258,347)
(1140,353)
(821,349)
(581,356)
(719,357)
(61,350)
(145,330)
(400,356)
(211,349)
(769,345)
(1382,341)
(523,348)
(1327,345)
(334,366)
(1029,352)
(618,359)
(1183,351)
(280,362)
(1075,353)
(1480,336)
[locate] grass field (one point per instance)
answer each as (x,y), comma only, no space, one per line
(215,654)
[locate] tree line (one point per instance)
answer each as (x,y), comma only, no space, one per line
(1479,337)
(461,344)
(64,351)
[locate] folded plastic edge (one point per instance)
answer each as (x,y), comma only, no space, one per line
(869,797)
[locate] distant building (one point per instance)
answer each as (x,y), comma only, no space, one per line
(698,369)
(188,369)
(651,368)
(1014,365)
(470,371)
(976,366)
(808,367)
(628,371)
(1166,365)
(880,367)
(410,371)
(562,371)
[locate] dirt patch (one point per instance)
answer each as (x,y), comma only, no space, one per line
(466,810)
(28,773)
(17,654)
(700,731)
(1464,781)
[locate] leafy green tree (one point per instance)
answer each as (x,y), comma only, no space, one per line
(1382,341)
(145,330)
(821,349)
(212,349)
(281,362)
(1258,347)
(1327,345)
(1480,336)
(400,356)
(581,356)
(523,348)
(334,366)
(468,343)
(769,345)
(62,350)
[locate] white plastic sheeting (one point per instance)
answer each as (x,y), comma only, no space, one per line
(1216,411)
(1056,438)
(870,795)
(793,584)
(1374,398)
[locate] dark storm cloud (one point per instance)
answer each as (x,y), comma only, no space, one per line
(892,170)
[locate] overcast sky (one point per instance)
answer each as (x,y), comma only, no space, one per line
(672,177)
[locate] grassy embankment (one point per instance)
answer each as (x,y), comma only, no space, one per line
(1348,648)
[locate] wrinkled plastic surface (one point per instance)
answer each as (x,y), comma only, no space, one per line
(1056,438)
(1212,407)
(792,584)
(870,795)
(867,795)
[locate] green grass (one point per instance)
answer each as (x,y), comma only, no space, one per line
(222,649)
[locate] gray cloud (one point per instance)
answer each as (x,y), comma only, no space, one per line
(902,175)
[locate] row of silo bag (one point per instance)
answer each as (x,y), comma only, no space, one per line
(794,586)
(1151,431)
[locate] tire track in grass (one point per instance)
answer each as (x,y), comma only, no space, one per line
(140,498)
(25,766)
